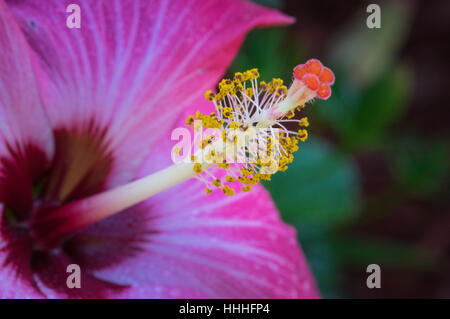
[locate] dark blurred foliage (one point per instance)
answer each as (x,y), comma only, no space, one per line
(371,184)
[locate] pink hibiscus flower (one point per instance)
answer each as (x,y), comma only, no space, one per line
(83,111)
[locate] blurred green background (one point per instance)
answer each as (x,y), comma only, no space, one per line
(371,183)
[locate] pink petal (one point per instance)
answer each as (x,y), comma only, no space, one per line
(134,65)
(222,247)
(22,120)
(25,139)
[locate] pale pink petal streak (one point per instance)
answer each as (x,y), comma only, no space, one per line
(22,120)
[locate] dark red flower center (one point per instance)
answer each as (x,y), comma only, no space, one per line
(31,184)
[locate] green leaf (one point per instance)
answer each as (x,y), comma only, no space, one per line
(270,3)
(320,187)
(420,166)
(324,265)
(363,252)
(362,120)
(381,105)
(271,52)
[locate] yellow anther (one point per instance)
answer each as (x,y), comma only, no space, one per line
(227,112)
(197,168)
(208,191)
(245,180)
(209,139)
(190,120)
(218,97)
(209,95)
(230,179)
(299,108)
(290,114)
(275,84)
(226,86)
(282,90)
(255,73)
(251,75)
(263,86)
(224,165)
(224,136)
(245,171)
(227,190)
(246,76)
(246,188)
(239,87)
(217,182)
(302,135)
(304,122)
(238,77)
